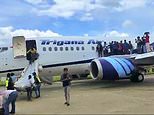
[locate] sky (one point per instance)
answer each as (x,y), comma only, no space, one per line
(115,19)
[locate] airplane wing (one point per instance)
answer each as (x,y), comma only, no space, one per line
(121,67)
(145,59)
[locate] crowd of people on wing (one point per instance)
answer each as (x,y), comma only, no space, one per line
(124,47)
(143,44)
(114,48)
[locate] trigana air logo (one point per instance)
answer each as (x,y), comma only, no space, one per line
(68,42)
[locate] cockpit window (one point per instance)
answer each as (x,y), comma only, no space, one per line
(2,49)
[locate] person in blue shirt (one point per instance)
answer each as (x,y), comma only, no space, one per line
(9,97)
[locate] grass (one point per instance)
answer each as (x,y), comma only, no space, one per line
(89,77)
(2,83)
(56,78)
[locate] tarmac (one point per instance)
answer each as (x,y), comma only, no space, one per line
(92,97)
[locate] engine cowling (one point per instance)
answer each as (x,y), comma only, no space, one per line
(107,68)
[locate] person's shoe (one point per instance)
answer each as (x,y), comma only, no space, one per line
(68,104)
(29,100)
(65,103)
(12,112)
(37,97)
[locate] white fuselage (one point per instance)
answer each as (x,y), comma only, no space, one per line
(55,53)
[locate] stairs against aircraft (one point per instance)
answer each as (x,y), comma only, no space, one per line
(22,82)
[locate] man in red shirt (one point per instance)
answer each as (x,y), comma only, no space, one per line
(147,40)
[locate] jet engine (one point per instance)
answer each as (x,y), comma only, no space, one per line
(107,68)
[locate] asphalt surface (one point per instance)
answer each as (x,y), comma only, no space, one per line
(92,97)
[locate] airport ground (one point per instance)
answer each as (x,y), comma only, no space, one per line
(92,97)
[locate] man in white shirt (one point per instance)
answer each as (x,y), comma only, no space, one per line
(14,77)
(29,87)
(9,96)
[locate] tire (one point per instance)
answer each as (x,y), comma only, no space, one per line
(133,78)
(84,75)
(75,76)
(140,77)
(137,78)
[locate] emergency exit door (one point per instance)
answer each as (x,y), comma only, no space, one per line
(19,47)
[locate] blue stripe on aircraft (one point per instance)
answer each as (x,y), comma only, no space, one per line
(116,66)
(124,66)
(109,72)
(129,63)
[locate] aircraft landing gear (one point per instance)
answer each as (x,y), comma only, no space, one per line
(137,77)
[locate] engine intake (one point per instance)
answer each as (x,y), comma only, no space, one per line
(108,68)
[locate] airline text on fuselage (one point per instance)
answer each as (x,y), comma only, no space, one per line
(68,42)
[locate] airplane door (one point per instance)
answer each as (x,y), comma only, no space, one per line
(30,44)
(19,47)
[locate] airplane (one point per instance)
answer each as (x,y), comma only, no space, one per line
(78,54)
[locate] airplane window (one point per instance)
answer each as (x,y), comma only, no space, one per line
(61,48)
(77,48)
(55,48)
(82,48)
(5,48)
(44,48)
(2,49)
(50,49)
(72,48)
(93,48)
(66,48)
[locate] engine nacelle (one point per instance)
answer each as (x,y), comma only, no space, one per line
(107,68)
